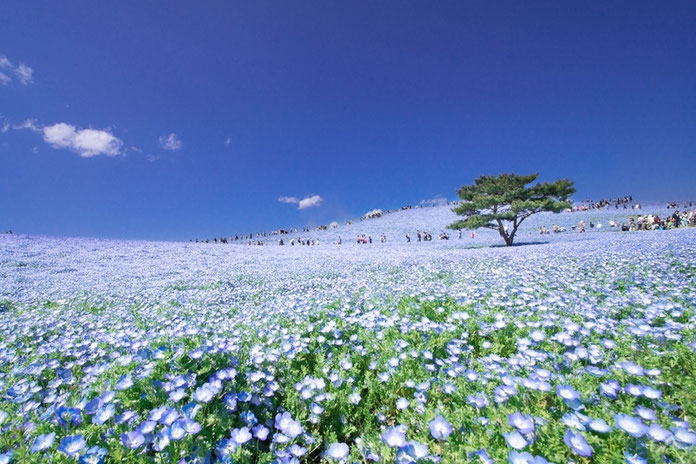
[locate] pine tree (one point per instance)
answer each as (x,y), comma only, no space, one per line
(495,202)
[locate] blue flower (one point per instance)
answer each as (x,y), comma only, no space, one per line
(72,445)
(394,438)
(192,427)
(684,436)
(169,416)
(69,417)
(94,405)
(600,426)
(630,424)
(191,409)
(610,389)
(157,413)
(126,381)
(567,392)
(337,451)
(525,458)
(240,436)
(401,403)
(103,414)
(147,427)
(287,425)
(440,429)
(43,442)
(204,394)
(161,440)
(297,450)
(177,395)
(633,389)
(483,456)
(94,455)
(177,430)
(132,439)
(634,458)
(515,440)
(249,418)
(224,448)
(125,416)
(650,392)
(480,400)
(412,452)
(632,368)
(577,443)
(524,424)
(230,402)
(646,413)
(260,432)
(659,433)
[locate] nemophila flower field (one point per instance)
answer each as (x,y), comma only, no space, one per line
(578,350)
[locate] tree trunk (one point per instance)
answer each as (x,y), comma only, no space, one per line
(501,231)
(512,237)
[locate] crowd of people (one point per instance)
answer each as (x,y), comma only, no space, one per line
(685,218)
(675,205)
(420,236)
(617,203)
(625,201)
(258,237)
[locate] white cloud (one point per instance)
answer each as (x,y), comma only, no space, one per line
(85,142)
(228,141)
(27,124)
(314,200)
(307,202)
(5,79)
(23,72)
(170,142)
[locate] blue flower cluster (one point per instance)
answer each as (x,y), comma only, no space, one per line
(161,352)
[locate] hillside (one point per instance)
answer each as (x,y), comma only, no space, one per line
(435,219)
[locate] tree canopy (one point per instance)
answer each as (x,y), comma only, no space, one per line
(502,202)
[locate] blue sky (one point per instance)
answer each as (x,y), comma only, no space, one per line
(173,120)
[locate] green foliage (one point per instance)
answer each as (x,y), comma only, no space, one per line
(494,201)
